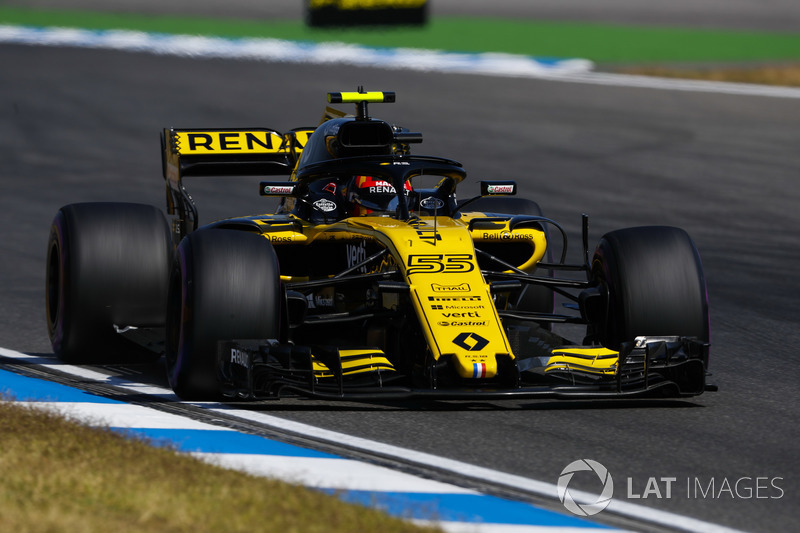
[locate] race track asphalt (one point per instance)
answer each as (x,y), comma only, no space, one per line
(82,125)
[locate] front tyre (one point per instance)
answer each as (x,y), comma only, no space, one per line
(224,285)
(653,285)
(107,265)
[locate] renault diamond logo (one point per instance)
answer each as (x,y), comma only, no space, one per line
(471,342)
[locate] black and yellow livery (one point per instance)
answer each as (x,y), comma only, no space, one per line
(373,280)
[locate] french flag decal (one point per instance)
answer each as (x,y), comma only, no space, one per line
(478,370)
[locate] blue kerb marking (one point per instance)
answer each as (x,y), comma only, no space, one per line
(220,441)
(23,389)
(471,508)
(464,508)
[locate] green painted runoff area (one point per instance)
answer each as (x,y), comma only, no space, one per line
(598,42)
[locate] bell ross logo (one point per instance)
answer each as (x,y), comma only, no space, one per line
(585,509)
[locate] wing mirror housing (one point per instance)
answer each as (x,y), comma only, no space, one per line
(498,188)
(492,188)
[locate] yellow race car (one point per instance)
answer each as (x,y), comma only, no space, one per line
(372,280)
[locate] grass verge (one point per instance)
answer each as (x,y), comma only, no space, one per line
(598,42)
(58,475)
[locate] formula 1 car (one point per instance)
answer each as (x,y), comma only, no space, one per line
(371,281)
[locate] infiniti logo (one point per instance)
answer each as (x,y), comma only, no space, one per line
(585,509)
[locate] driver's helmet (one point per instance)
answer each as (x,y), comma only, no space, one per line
(367,195)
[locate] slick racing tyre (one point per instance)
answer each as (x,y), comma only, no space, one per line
(224,285)
(653,285)
(107,265)
(533,298)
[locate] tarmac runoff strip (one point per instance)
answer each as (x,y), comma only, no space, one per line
(453,508)
(276,50)
(425,501)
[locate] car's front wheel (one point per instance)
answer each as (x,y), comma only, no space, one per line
(224,285)
(651,283)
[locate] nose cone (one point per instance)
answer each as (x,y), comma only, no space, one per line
(475,366)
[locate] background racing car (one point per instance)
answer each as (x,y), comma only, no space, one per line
(371,281)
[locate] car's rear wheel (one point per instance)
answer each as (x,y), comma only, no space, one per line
(224,285)
(652,284)
(107,265)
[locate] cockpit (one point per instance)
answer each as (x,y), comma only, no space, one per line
(359,166)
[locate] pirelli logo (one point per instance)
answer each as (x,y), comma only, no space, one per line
(454,299)
(221,142)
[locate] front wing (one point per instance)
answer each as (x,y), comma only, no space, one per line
(650,367)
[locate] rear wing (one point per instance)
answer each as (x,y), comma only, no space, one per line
(222,152)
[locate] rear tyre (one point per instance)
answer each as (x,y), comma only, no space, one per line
(107,264)
(653,284)
(224,285)
(533,298)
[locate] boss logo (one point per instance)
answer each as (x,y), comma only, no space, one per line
(507,236)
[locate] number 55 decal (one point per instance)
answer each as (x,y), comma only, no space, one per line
(435,263)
